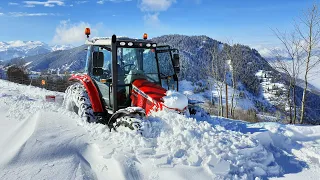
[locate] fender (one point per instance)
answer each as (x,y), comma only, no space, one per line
(91,90)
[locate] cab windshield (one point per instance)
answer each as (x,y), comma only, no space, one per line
(137,63)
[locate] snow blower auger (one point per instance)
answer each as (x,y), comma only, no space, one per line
(124,80)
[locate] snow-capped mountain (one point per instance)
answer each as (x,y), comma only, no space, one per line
(14,49)
(61,47)
(270,53)
(60,60)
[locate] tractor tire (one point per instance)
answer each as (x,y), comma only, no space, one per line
(131,118)
(76,99)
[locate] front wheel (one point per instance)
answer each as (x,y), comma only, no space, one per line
(76,99)
(130,118)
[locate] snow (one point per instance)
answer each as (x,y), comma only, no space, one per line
(273,93)
(313,74)
(14,49)
(27,64)
(61,47)
(28,45)
(188,89)
(41,140)
(175,100)
(271,52)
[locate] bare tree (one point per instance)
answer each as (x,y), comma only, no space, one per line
(308,29)
(215,70)
(234,55)
(292,44)
(228,67)
(225,59)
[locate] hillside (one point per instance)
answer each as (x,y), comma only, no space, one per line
(197,54)
(65,60)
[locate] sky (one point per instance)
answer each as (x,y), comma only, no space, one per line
(248,22)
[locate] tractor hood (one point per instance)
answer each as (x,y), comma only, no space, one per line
(175,100)
(151,96)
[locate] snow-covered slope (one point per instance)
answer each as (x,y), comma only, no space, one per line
(188,89)
(313,75)
(67,60)
(40,140)
(270,53)
(14,49)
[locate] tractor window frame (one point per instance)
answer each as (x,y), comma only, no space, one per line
(157,79)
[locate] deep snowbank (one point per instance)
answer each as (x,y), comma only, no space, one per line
(40,140)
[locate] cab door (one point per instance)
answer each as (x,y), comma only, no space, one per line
(169,67)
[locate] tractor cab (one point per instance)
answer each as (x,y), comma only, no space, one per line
(114,64)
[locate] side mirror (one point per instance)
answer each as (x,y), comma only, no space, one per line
(97,62)
(176,63)
(98,59)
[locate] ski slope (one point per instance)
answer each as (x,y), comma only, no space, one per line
(41,140)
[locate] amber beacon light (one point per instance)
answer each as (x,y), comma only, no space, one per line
(87,32)
(145,36)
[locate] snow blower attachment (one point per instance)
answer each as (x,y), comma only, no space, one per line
(125,79)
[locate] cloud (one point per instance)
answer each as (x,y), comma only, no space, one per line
(152,19)
(153,8)
(24,14)
(13,4)
(1,14)
(73,33)
(68,33)
(155,5)
(81,2)
(103,1)
(48,3)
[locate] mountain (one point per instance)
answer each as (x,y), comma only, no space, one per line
(197,53)
(63,60)
(14,49)
(270,53)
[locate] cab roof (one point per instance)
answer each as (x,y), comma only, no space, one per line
(106,41)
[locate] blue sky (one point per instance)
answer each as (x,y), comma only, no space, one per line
(63,21)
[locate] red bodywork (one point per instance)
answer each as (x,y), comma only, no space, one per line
(147,95)
(92,91)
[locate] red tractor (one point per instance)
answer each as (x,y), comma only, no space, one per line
(125,79)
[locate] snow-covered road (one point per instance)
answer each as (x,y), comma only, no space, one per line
(41,140)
